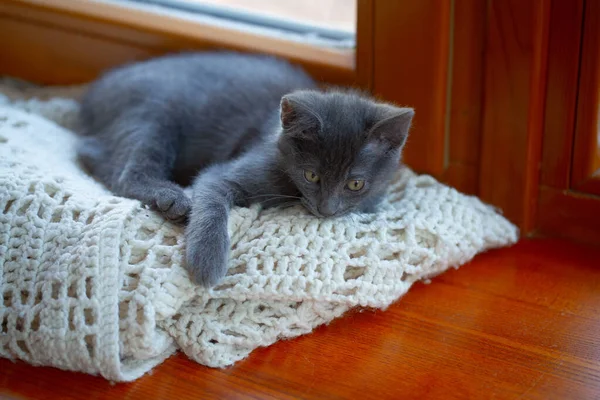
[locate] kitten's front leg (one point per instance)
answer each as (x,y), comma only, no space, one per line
(240,182)
(207,239)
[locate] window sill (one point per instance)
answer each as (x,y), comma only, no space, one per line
(181,24)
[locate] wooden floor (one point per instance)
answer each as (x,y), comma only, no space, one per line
(518,323)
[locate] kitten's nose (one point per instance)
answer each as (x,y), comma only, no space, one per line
(328,207)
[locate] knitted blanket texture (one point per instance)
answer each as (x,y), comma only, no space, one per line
(95,283)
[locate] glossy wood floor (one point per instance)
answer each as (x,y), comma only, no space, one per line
(517,323)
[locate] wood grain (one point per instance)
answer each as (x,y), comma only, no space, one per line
(562,92)
(568,214)
(99,34)
(514,322)
(410,67)
(585,172)
(65,42)
(515,81)
(32,58)
(365,27)
(463,177)
(570,111)
(535,113)
(466,98)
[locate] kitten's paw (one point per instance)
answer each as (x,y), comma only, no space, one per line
(173,203)
(207,254)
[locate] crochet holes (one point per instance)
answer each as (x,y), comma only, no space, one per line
(189,325)
(238,269)
(89,284)
(35,322)
(8,205)
(50,190)
(20,124)
(89,316)
(38,297)
(72,290)
(360,235)
(164,260)
(144,233)
(64,200)
(259,309)
(123,310)
(404,276)
(41,210)
(358,254)
(221,307)
(140,315)
(55,290)
(353,272)
(20,325)
(392,256)
(224,286)
(57,215)
(3,139)
(23,209)
(90,344)
(4,324)
(14,258)
(76,215)
(72,325)
(137,255)
(131,282)
(398,232)
(7,298)
(90,218)
(23,346)
(24,296)
(169,241)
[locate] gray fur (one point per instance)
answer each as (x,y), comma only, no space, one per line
(252,125)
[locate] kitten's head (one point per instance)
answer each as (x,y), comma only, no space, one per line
(341,148)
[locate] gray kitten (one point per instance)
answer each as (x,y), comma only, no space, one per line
(256,128)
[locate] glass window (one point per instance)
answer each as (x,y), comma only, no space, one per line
(323,22)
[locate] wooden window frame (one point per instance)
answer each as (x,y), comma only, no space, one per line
(494,83)
(586,163)
(564,209)
(401,55)
(180,23)
(149,33)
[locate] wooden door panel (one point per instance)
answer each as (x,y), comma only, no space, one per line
(585,172)
(566,205)
(561,96)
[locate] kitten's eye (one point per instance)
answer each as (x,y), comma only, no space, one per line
(355,184)
(311,176)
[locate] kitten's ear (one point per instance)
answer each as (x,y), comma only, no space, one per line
(296,112)
(393,126)
(287,113)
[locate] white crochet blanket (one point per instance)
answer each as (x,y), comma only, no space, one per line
(94,283)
